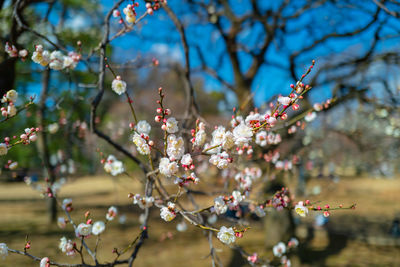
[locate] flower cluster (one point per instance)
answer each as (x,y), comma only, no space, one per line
(168,213)
(9,99)
(222,203)
(113,166)
(142,202)
(56,60)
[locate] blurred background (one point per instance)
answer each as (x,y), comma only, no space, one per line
(241,53)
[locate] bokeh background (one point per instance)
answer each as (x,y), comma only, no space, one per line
(242,53)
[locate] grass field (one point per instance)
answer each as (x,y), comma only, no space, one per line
(360,236)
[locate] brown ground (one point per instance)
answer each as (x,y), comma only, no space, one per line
(358,238)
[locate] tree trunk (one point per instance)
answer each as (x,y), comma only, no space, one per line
(44,147)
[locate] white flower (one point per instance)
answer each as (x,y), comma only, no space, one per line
(218,135)
(181,227)
(53,128)
(12,95)
(61,222)
(172,125)
(200,138)
(175,147)
(129,15)
(284,100)
(168,213)
(317,107)
(310,116)
(56,60)
(301,209)
(228,140)
(167,167)
(111,213)
(237,196)
(69,63)
(261,138)
(242,134)
(3,149)
(98,227)
(186,160)
(113,166)
(226,235)
(83,229)
(253,117)
(67,246)
(141,144)
(118,85)
(41,56)
(143,203)
(219,205)
(279,249)
(221,160)
(143,127)
(11,110)
(3,250)
(45,262)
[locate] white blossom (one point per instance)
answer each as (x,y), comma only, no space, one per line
(141,144)
(284,100)
(143,202)
(129,14)
(175,147)
(83,229)
(221,160)
(143,127)
(226,235)
(261,138)
(113,166)
(310,116)
(200,138)
(56,60)
(186,160)
(167,167)
(3,149)
(172,125)
(45,262)
(118,85)
(12,95)
(279,249)
(220,206)
(67,246)
(242,134)
(111,213)
(168,213)
(301,209)
(98,227)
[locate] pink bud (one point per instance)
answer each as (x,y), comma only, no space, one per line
(164,127)
(24,136)
(167,111)
(33,138)
(159,110)
(148,5)
(150,11)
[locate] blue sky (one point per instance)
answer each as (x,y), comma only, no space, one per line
(156,36)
